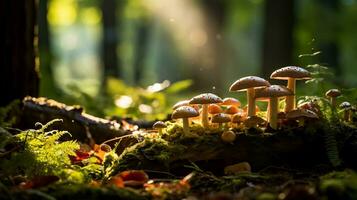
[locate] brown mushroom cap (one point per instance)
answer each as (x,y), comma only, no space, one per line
(291,72)
(231,110)
(181,103)
(207,98)
(274,91)
(230,101)
(221,118)
(248,82)
(298,113)
(253,120)
(333,93)
(159,124)
(214,109)
(184,112)
(238,118)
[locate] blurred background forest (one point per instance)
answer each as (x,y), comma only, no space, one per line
(138,57)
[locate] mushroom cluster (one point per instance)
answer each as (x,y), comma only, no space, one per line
(213,111)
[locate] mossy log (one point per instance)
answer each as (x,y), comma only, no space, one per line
(302,148)
(81,125)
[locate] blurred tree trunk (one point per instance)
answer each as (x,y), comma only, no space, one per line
(48,87)
(142,40)
(279,21)
(110,38)
(328,29)
(18,72)
(210,77)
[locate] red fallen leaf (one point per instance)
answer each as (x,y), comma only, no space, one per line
(39,181)
(134,178)
(80,155)
(117,181)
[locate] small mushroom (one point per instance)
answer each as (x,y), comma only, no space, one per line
(332,95)
(243,167)
(229,101)
(301,115)
(184,103)
(346,107)
(253,121)
(220,119)
(291,73)
(274,92)
(185,112)
(228,136)
(238,118)
(214,109)
(159,125)
(205,100)
(249,84)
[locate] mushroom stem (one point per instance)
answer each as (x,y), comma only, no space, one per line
(290,100)
(160,131)
(205,115)
(333,102)
(251,101)
(273,116)
(346,115)
(185,126)
(268,111)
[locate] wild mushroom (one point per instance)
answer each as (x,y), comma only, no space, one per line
(220,119)
(249,84)
(238,118)
(274,92)
(214,109)
(291,73)
(229,101)
(301,115)
(185,112)
(228,136)
(184,103)
(159,125)
(332,95)
(346,107)
(253,121)
(205,100)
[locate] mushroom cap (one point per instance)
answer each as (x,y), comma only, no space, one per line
(159,124)
(228,136)
(274,91)
(238,118)
(248,82)
(206,98)
(298,113)
(333,93)
(221,118)
(184,112)
(291,72)
(181,103)
(345,105)
(232,110)
(214,109)
(230,101)
(253,120)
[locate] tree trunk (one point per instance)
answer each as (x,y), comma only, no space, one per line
(207,73)
(110,40)
(19,74)
(141,49)
(329,32)
(277,35)
(48,85)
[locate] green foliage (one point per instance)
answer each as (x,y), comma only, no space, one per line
(40,153)
(120,99)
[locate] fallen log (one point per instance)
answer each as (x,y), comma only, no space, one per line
(82,126)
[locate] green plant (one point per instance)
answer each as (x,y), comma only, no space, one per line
(40,152)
